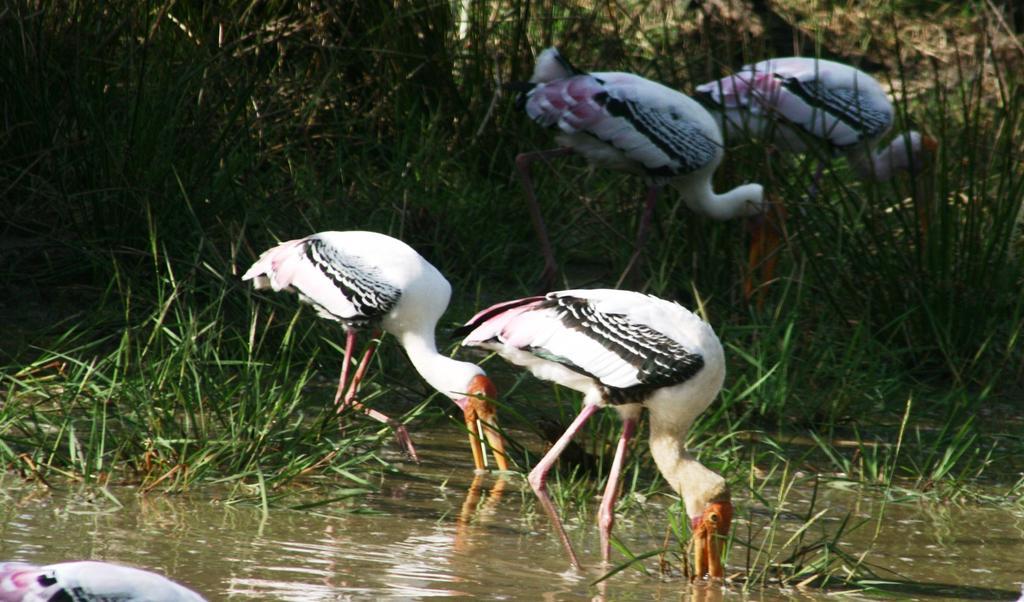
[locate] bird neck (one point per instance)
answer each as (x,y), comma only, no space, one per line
(743,201)
(695,483)
(450,377)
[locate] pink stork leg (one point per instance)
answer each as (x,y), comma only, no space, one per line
(606,513)
(404,441)
(642,231)
(523,162)
(350,343)
(539,476)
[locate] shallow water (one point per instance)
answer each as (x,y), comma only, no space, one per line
(436,535)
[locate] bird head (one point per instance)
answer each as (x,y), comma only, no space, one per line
(482,420)
(911,151)
(709,531)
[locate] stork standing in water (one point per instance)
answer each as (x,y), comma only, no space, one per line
(630,351)
(800,103)
(87,581)
(370,281)
(624,122)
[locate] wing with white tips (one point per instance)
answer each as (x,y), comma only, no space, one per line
(599,334)
(338,281)
(662,132)
(831,101)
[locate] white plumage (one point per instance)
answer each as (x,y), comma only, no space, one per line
(631,351)
(87,581)
(370,281)
(800,103)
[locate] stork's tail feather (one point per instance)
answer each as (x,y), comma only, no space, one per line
(486,315)
(551,66)
(707,99)
(275,268)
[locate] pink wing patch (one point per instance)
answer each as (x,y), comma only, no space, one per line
(567,103)
(745,89)
(277,267)
(17,580)
(500,325)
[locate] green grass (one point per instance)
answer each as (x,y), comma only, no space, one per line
(150,151)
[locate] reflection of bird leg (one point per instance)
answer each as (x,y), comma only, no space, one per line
(523,162)
(462,525)
(471,508)
(349,400)
(705,592)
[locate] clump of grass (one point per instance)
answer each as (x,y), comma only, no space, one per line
(177,397)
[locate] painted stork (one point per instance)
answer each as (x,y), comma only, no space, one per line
(799,103)
(87,581)
(624,122)
(370,281)
(630,351)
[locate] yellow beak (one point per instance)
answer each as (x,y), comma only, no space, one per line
(482,419)
(708,533)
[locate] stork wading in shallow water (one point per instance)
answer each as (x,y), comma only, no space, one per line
(370,281)
(630,351)
(624,122)
(87,581)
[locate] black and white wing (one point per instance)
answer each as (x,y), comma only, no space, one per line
(612,337)
(331,275)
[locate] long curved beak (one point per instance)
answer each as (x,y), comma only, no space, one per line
(708,534)
(765,243)
(482,423)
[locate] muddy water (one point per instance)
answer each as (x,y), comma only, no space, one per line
(440,536)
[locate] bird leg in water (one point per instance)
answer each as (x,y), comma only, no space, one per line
(349,400)
(523,162)
(606,513)
(539,476)
(642,232)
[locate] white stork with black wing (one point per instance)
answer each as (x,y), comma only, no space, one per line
(87,581)
(799,102)
(625,122)
(370,281)
(630,351)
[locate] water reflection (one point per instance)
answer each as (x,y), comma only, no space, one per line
(451,534)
